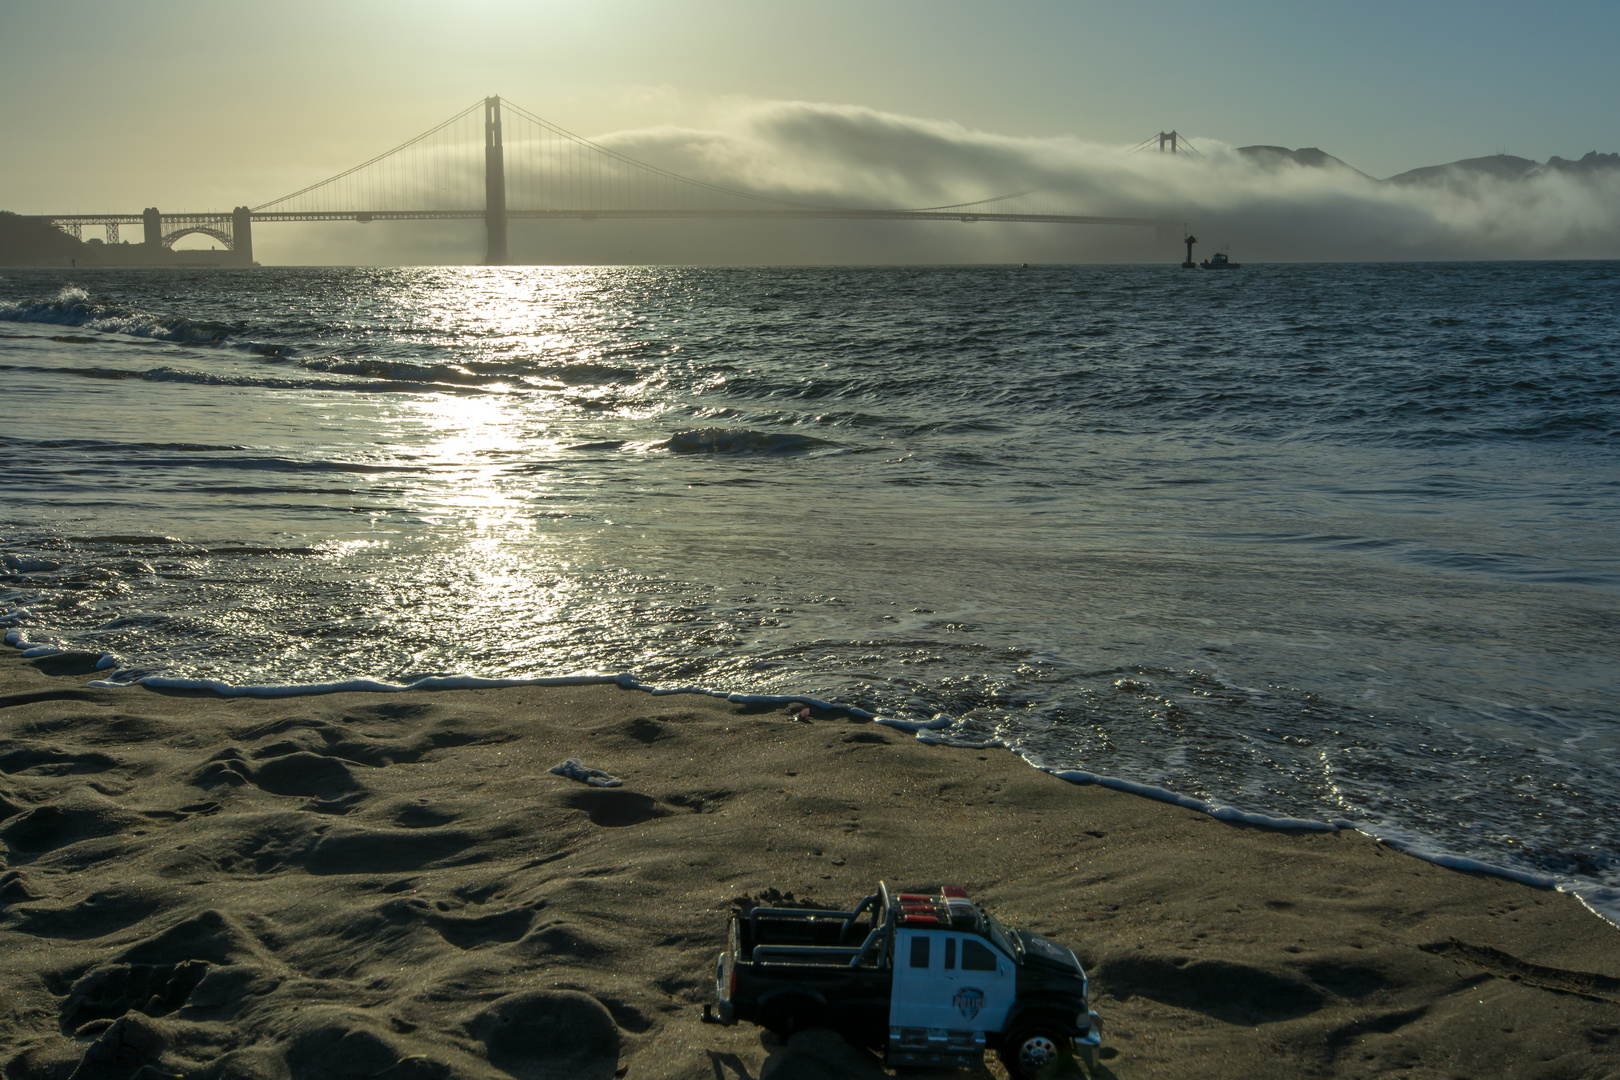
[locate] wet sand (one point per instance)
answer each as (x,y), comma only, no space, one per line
(395,886)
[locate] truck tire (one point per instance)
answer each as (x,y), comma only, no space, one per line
(1032,1048)
(788,1018)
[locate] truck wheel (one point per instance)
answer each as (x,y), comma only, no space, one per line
(788,1020)
(1030,1050)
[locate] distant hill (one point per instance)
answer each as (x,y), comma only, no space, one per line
(31,242)
(1500,166)
(1591,163)
(1508,167)
(1273,157)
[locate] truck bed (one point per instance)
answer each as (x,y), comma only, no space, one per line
(802,936)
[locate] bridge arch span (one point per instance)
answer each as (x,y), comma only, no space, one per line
(207,230)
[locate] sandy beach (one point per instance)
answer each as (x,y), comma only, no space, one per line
(395,885)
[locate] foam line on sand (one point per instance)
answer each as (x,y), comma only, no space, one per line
(1602,902)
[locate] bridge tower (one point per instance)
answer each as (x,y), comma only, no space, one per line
(1170,137)
(494,184)
(152,222)
(242,234)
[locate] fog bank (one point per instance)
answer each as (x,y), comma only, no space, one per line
(1266,206)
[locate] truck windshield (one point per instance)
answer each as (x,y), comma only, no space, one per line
(1009,943)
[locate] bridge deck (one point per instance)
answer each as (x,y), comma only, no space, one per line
(609,215)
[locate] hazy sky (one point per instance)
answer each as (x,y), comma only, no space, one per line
(119,105)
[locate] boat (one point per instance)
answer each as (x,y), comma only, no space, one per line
(1219,261)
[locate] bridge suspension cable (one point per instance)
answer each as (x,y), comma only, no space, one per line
(549,171)
(430,172)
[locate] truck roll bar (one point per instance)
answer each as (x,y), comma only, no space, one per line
(871,939)
(860,907)
(794,913)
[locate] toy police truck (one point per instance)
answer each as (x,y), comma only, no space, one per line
(927,979)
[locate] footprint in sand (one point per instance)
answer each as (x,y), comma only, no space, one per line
(549,1035)
(49,827)
(614,807)
(299,773)
(1223,989)
(107,993)
(48,761)
(97,915)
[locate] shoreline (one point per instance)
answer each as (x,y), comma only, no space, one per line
(1417,849)
(361,884)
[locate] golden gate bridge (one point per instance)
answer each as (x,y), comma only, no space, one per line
(530,169)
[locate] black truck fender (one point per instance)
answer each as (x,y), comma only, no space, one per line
(1071,1022)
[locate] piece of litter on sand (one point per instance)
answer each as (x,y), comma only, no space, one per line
(576,769)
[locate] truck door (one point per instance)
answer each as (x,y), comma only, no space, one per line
(951,982)
(986,985)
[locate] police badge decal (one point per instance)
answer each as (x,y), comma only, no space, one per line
(968,1001)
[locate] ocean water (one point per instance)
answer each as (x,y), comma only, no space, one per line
(1335,543)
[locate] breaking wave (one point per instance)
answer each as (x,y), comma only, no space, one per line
(738,441)
(72,306)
